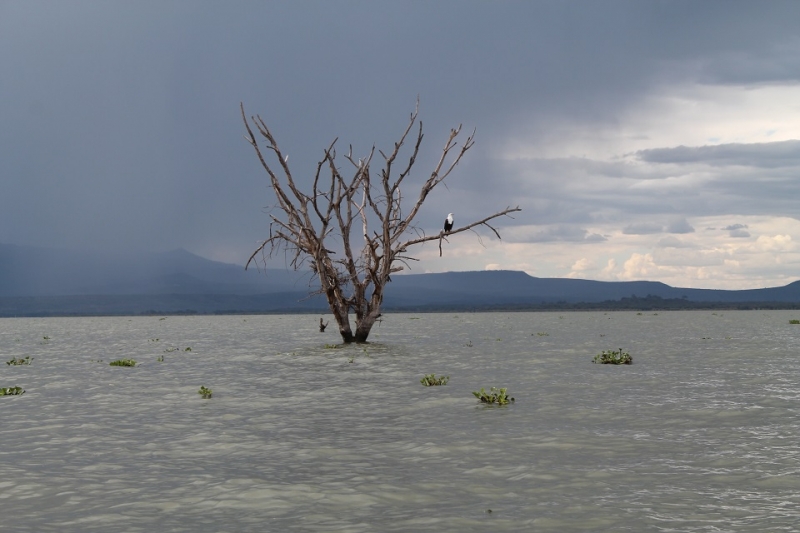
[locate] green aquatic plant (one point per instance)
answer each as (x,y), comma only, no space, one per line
(542,334)
(431,380)
(11,391)
(332,346)
(206,393)
(613,357)
(123,362)
(188,349)
(20,361)
(160,358)
(794,321)
(495,395)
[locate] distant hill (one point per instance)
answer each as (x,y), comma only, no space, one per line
(518,288)
(28,271)
(47,282)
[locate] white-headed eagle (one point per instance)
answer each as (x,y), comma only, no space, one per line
(448,223)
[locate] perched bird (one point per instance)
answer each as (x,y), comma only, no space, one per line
(448,223)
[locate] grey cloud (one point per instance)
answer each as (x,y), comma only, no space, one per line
(737,230)
(595,237)
(760,155)
(680,226)
(642,228)
(559,233)
(672,242)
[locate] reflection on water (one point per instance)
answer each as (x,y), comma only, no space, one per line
(699,434)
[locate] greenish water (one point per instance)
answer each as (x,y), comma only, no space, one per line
(699,434)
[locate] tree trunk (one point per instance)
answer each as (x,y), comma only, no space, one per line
(343,320)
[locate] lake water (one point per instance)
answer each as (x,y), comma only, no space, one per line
(700,433)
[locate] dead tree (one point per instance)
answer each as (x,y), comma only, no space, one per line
(319,227)
(322,325)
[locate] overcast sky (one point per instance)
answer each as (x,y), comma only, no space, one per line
(643,140)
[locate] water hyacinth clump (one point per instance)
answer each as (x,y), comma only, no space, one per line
(11,391)
(794,321)
(205,392)
(431,380)
(20,360)
(495,395)
(123,362)
(613,357)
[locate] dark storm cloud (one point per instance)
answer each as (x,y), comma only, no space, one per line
(121,128)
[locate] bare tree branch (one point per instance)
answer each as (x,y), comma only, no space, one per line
(353,282)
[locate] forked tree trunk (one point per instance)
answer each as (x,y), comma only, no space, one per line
(365,326)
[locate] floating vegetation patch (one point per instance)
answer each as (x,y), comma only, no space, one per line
(20,360)
(205,392)
(613,357)
(495,395)
(11,391)
(160,358)
(543,334)
(188,349)
(431,380)
(332,346)
(794,321)
(123,362)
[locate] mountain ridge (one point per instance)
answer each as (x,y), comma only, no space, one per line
(43,282)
